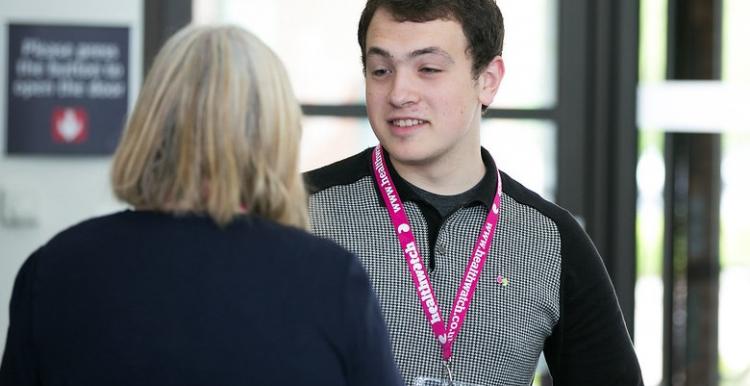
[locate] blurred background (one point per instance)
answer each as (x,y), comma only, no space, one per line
(631,114)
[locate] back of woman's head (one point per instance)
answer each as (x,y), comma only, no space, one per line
(215,130)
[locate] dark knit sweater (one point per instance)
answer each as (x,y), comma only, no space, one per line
(144,298)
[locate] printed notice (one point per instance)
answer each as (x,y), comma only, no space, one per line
(67,89)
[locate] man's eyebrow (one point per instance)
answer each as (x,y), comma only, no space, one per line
(377,51)
(431,50)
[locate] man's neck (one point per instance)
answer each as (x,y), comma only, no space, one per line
(446,176)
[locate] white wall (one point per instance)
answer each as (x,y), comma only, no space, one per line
(53,192)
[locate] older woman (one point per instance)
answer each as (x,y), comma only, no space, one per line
(210,279)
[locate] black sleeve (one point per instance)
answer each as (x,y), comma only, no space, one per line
(19,366)
(590,344)
(370,360)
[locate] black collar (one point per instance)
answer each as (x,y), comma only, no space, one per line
(485,195)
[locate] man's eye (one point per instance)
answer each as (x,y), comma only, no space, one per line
(378,72)
(430,70)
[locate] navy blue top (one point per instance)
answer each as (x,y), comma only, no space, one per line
(146,298)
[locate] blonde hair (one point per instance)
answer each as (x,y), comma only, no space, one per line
(215,130)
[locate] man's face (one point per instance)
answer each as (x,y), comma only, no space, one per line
(422,100)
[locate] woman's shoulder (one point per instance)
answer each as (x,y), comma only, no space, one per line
(89,227)
(302,241)
(141,232)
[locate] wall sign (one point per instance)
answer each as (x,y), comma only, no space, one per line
(67,89)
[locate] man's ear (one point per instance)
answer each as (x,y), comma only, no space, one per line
(489,80)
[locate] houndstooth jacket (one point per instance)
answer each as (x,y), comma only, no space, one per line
(544,287)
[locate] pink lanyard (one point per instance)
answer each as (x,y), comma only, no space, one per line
(421,281)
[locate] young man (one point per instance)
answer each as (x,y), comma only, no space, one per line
(476,274)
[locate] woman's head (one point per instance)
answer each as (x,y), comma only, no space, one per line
(215,130)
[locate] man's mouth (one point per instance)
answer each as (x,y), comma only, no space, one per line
(406,122)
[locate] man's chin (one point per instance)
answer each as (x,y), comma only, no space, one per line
(408,155)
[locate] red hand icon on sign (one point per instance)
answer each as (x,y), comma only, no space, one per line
(70,124)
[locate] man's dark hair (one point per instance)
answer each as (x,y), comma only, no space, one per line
(481,20)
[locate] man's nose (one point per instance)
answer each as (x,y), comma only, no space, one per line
(403,90)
